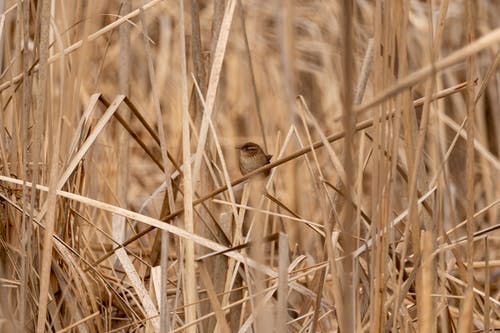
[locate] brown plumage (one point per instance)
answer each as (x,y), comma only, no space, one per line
(252,157)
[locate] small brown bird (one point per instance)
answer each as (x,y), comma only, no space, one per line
(252,157)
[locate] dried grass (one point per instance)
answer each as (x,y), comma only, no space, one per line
(381,209)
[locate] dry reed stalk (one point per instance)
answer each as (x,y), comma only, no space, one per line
(163,138)
(189,278)
(54,141)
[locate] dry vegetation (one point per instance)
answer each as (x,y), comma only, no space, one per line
(381,210)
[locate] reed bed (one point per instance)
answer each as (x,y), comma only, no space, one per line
(122,208)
